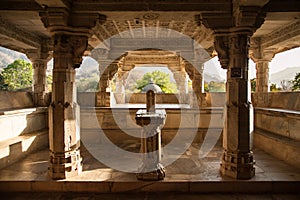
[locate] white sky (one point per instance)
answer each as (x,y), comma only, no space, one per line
(281,61)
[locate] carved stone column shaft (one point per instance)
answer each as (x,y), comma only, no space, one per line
(64,130)
(262,76)
(237,159)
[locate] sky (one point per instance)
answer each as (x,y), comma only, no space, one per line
(281,61)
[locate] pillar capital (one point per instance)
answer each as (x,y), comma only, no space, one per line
(70,49)
(64,21)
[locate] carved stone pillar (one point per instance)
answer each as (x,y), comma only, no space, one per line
(262,60)
(182,84)
(237,159)
(39,62)
(120,86)
(195,72)
(64,133)
(232,35)
(70,34)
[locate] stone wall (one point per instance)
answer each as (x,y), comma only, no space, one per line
(116,122)
(15,100)
(282,100)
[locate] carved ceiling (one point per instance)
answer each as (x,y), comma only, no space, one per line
(22,29)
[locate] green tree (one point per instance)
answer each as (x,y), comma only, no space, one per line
(296,82)
(18,75)
(273,88)
(159,78)
(253,84)
(214,87)
(3,86)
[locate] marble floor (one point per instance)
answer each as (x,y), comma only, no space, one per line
(187,175)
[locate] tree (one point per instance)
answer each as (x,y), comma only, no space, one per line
(273,88)
(296,82)
(18,75)
(3,86)
(214,87)
(253,84)
(159,78)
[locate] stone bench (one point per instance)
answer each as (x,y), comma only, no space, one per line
(22,131)
(277,132)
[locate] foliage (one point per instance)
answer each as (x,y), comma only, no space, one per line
(159,78)
(296,82)
(214,87)
(89,84)
(273,88)
(17,75)
(253,84)
(3,86)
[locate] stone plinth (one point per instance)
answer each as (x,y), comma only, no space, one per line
(151,120)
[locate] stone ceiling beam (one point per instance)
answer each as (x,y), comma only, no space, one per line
(281,35)
(25,40)
(55,3)
(19,6)
(171,5)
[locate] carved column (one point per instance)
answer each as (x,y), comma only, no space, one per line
(70,34)
(195,72)
(39,62)
(64,133)
(237,159)
(182,84)
(262,60)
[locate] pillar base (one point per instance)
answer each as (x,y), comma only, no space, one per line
(156,175)
(238,165)
(65,165)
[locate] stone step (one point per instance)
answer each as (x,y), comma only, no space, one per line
(231,186)
(279,146)
(13,149)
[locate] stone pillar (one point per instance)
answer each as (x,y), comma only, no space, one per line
(231,37)
(101,56)
(70,33)
(39,62)
(120,88)
(64,132)
(151,120)
(262,70)
(237,158)
(182,84)
(195,72)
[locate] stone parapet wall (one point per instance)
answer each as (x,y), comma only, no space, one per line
(282,100)
(22,121)
(278,121)
(116,122)
(15,100)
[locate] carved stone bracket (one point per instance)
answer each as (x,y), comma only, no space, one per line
(63,21)
(222,48)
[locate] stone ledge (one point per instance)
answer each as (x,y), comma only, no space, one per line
(23,111)
(14,123)
(13,149)
(281,147)
(278,112)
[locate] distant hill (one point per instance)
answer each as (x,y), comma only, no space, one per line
(287,74)
(8,56)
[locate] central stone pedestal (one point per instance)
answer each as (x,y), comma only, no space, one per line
(151,120)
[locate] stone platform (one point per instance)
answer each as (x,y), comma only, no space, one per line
(188,175)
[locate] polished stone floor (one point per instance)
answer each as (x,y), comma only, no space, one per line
(187,175)
(145,196)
